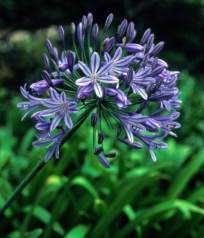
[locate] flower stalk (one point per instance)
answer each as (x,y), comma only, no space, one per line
(41,164)
(23,184)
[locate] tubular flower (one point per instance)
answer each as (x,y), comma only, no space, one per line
(120,82)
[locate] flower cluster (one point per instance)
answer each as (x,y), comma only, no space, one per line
(123,82)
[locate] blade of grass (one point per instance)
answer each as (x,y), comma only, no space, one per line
(126,194)
(182,179)
(146,215)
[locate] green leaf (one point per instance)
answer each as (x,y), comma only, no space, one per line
(84,183)
(26,142)
(44,216)
(127,192)
(79,231)
(31,234)
(188,171)
(146,215)
(5,189)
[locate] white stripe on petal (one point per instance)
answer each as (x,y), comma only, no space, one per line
(152,154)
(118,54)
(84,81)
(98,90)
(109,79)
(129,134)
(124,62)
(140,91)
(46,112)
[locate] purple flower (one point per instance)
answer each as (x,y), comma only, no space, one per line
(119,65)
(42,86)
(96,75)
(120,97)
(67,61)
(31,104)
(124,82)
(59,108)
(53,142)
(41,124)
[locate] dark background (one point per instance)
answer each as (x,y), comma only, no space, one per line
(76,195)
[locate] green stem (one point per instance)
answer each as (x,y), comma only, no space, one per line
(42,163)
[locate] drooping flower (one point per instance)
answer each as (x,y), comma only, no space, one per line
(113,77)
(52,142)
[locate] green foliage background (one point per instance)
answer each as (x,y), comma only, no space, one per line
(75,197)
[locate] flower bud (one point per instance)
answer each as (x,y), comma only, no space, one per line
(108,22)
(100,137)
(94,119)
(61,34)
(95,32)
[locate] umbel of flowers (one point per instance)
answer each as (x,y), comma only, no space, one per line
(111,77)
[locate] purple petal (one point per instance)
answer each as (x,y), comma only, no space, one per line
(24,92)
(84,81)
(63,97)
(104,161)
(105,68)
(84,68)
(125,61)
(46,112)
(40,86)
(107,57)
(54,94)
(140,91)
(157,48)
(50,153)
(84,92)
(108,44)
(95,62)
(152,154)
(118,54)
(50,103)
(55,122)
(57,153)
(68,121)
(42,126)
(133,47)
(41,142)
(109,79)
(98,90)
(55,82)
(129,134)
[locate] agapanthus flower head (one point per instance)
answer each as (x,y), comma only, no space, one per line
(118,80)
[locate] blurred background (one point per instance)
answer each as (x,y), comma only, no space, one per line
(76,197)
